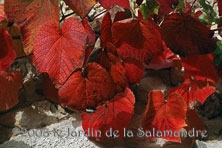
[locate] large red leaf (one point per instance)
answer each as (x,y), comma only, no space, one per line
(164,115)
(114,115)
(165,7)
(60,51)
(9,88)
(134,70)
(31,17)
(81,7)
(109,3)
(200,65)
(86,88)
(187,36)
(164,59)
(195,88)
(138,39)
(7,54)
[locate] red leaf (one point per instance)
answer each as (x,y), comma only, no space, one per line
(195,88)
(219,7)
(49,89)
(14,8)
(112,64)
(106,34)
(86,88)
(134,70)
(165,59)
(108,3)
(114,115)
(60,51)
(81,7)
(186,36)
(9,88)
(162,115)
(165,7)
(2,13)
(7,54)
(139,39)
(196,66)
(194,122)
(91,37)
(31,17)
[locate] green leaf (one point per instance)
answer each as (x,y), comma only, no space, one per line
(211,15)
(149,6)
(181,5)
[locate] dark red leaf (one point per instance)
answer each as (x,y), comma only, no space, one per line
(7,54)
(9,89)
(112,64)
(49,89)
(60,51)
(91,37)
(165,7)
(219,7)
(196,66)
(86,88)
(108,3)
(186,36)
(195,88)
(106,34)
(139,39)
(194,122)
(134,70)
(81,7)
(165,115)
(113,115)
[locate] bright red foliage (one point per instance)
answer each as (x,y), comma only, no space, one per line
(195,88)
(200,65)
(32,17)
(164,114)
(81,7)
(10,85)
(109,3)
(7,54)
(86,88)
(139,39)
(60,51)
(113,115)
(186,36)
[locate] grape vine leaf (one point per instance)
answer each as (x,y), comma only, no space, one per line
(33,17)
(106,33)
(165,115)
(164,59)
(115,114)
(134,70)
(86,88)
(59,51)
(10,85)
(81,7)
(13,8)
(195,88)
(7,55)
(166,6)
(186,36)
(196,66)
(139,39)
(107,3)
